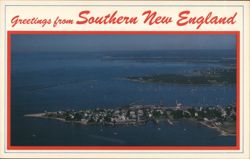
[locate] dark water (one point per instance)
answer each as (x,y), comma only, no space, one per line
(55,81)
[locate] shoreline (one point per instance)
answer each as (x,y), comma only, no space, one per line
(134,123)
(174,83)
(222,132)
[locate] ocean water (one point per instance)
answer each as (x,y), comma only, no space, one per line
(58,81)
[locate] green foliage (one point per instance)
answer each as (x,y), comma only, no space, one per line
(215,76)
(178,114)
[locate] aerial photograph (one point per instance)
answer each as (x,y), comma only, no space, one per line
(123,89)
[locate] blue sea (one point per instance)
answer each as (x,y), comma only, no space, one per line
(52,81)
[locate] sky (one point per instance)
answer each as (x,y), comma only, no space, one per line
(98,43)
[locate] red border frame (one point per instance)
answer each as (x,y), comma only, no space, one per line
(237,147)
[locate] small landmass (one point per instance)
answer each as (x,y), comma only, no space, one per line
(212,76)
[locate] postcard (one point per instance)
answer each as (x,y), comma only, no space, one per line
(116,79)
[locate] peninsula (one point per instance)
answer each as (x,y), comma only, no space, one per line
(221,118)
(212,76)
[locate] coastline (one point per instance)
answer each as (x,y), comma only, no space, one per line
(184,84)
(42,115)
(219,129)
(222,131)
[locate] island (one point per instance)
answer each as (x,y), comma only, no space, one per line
(221,118)
(211,76)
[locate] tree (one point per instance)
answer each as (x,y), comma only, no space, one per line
(77,117)
(177,114)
